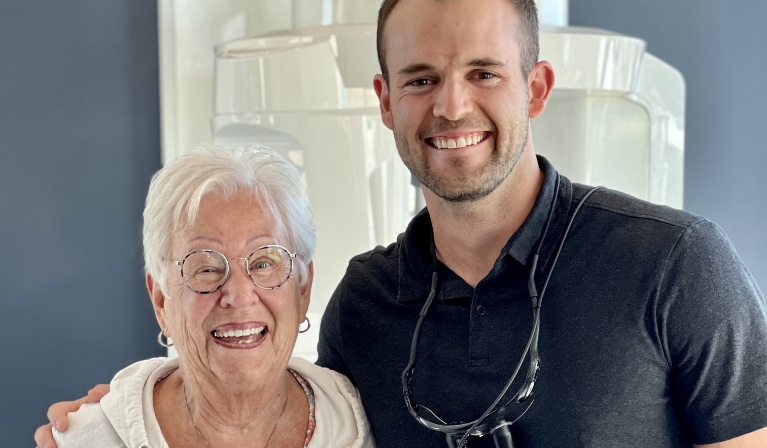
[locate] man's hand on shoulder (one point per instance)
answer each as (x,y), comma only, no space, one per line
(57,415)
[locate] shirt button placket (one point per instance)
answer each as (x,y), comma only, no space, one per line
(479,336)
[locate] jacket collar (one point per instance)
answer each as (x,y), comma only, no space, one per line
(129,404)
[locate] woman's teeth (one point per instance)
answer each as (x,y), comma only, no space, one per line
(246,336)
(460,142)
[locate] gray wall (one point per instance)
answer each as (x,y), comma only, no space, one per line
(721,49)
(79,140)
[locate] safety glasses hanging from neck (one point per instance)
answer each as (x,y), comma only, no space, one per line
(496,420)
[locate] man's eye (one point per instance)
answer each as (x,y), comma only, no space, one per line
(486,75)
(419,82)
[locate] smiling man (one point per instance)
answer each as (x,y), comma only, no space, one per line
(653,333)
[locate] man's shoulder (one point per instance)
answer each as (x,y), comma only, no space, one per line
(370,275)
(380,254)
(640,228)
(618,204)
(379,261)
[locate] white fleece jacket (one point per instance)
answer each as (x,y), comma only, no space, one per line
(125,417)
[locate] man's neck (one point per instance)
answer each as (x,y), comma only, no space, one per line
(470,236)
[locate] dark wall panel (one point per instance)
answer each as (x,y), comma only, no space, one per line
(720,49)
(79,141)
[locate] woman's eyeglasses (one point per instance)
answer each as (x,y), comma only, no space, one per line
(205,271)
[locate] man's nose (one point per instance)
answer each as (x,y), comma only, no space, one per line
(453,99)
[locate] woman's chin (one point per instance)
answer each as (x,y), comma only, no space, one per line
(242,369)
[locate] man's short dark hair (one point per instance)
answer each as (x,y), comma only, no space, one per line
(527,34)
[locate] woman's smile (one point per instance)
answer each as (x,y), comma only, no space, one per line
(240,335)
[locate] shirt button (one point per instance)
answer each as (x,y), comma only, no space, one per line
(481,310)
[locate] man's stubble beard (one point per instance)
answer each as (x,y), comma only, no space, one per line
(499,166)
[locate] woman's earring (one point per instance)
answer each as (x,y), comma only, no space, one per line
(161,342)
(308,326)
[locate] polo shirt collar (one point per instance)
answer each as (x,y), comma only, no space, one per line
(416,246)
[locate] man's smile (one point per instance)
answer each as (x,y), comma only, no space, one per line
(457,140)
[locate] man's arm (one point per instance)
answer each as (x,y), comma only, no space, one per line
(712,322)
(57,415)
(756,439)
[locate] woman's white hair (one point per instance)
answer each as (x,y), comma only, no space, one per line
(177,189)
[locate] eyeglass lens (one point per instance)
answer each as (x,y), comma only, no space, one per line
(205,271)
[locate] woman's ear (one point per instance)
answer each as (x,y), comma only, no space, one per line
(306,289)
(158,301)
(540,82)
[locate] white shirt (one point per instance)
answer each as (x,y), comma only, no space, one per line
(125,417)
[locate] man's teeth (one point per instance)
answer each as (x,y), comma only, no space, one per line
(460,142)
(238,333)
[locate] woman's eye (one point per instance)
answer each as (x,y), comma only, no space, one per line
(207,271)
(260,265)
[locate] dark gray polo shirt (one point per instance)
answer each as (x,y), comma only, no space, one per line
(653,332)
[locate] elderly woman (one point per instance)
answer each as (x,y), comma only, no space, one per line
(228,243)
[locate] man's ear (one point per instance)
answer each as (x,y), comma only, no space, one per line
(382,90)
(158,301)
(306,289)
(540,82)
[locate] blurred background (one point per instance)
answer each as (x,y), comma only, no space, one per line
(80,137)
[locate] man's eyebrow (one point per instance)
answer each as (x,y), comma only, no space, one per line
(415,68)
(480,62)
(485,62)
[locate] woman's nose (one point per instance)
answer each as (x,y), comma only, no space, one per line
(239,289)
